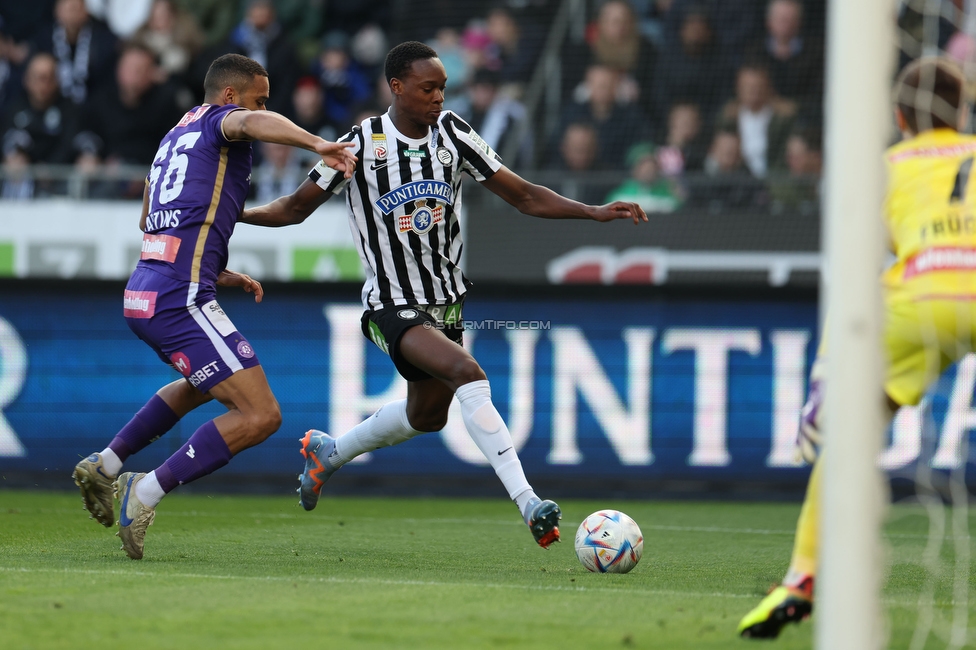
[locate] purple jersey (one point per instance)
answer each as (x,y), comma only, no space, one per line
(197,186)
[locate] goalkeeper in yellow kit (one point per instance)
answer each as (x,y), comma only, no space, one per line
(929,292)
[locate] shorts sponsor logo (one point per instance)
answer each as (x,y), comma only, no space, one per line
(407,314)
(414,191)
(160,247)
(421,221)
(201,375)
(445,156)
(182,363)
(244,350)
(139,304)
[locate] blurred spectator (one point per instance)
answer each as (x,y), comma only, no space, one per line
(308,102)
(279,173)
(350,17)
(368,48)
(916,23)
(799,190)
(172,35)
(19,21)
(123,17)
(618,124)
(693,69)
(728,183)
(496,118)
(215,18)
(795,60)
(258,36)
(736,23)
(12,56)
(616,42)
(83,46)
(651,16)
(645,186)
(477,48)
(304,22)
(125,122)
(447,44)
(578,155)
(762,122)
(40,126)
(516,46)
(686,143)
(344,82)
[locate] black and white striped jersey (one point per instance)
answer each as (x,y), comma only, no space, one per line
(404,200)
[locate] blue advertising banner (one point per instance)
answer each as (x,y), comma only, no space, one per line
(660,389)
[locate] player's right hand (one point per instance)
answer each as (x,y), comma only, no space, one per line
(337,156)
(620,210)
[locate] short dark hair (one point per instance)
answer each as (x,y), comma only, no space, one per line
(401,57)
(929,94)
(234,70)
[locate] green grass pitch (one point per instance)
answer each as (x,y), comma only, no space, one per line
(258,572)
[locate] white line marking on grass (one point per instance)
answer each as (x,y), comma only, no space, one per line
(427,583)
(378,581)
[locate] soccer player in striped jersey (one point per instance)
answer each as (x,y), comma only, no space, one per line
(194,196)
(403,202)
(929,293)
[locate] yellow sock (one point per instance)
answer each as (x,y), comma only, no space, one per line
(804,561)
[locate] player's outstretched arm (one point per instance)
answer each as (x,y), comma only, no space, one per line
(228,278)
(542,202)
(287,210)
(268,126)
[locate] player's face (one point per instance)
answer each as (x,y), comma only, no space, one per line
(420,94)
(255,96)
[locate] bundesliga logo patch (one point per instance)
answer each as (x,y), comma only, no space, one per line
(422,220)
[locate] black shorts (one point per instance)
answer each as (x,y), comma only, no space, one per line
(385,327)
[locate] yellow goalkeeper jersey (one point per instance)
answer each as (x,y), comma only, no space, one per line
(930,211)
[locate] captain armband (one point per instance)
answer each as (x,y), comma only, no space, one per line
(323,175)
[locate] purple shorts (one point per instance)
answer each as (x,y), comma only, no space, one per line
(188,331)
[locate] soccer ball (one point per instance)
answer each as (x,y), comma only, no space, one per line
(608,541)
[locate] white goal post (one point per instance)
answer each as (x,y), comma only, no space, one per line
(860,58)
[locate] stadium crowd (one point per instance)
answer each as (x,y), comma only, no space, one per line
(708,103)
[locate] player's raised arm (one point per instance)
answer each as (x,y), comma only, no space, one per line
(538,201)
(288,210)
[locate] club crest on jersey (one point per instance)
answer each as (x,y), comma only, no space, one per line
(379,146)
(444,155)
(414,191)
(422,220)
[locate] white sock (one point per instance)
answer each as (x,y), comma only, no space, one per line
(488,430)
(111,462)
(387,427)
(149,491)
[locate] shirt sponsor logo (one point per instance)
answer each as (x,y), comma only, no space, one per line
(160,247)
(941,259)
(414,153)
(425,189)
(139,304)
(421,221)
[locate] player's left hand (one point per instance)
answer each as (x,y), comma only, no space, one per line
(229,278)
(620,210)
(337,156)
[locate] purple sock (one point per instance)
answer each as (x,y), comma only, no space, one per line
(152,421)
(204,453)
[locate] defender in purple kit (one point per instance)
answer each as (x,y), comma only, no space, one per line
(194,197)
(403,204)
